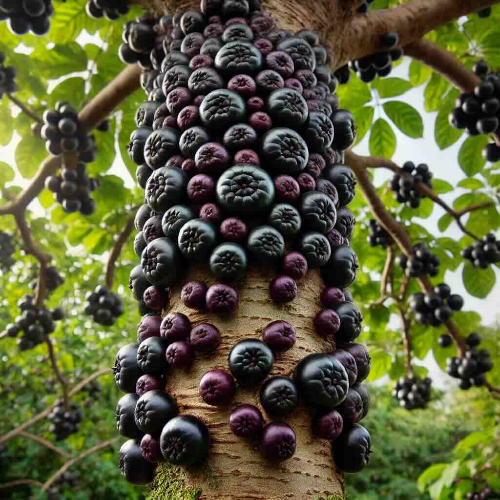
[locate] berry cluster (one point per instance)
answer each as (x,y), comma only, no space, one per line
(110,9)
(53,279)
(378,235)
(436,307)
(73,189)
(472,369)
(62,131)
(486,493)
(7,77)
(483,253)
(32,15)
(239,150)
(405,185)
(66,479)
(64,422)
(413,393)
(7,250)
(380,64)
(423,261)
(104,306)
(484,13)
(34,322)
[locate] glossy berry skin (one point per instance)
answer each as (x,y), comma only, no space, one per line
(233,229)
(294,264)
(149,326)
(351,451)
(283,289)
(445,341)
(133,466)
(204,337)
(279,335)
(363,360)
(153,410)
(279,396)
(221,299)
(278,442)
(155,298)
(328,425)
(348,362)
(175,327)
(148,383)
(193,295)
(332,296)
(151,355)
(126,369)
(180,355)
(217,388)
(246,421)
(125,421)
(250,361)
(350,322)
(185,440)
(327,322)
(150,449)
(351,408)
(365,397)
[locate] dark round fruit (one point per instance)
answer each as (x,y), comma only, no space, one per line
(318,212)
(445,341)
(155,298)
(278,442)
(125,421)
(279,396)
(233,229)
(345,129)
(321,380)
(147,383)
(228,261)
(265,244)
(221,299)
(350,322)
(212,158)
(279,335)
(222,108)
(196,239)
(217,388)
(149,326)
(204,337)
(365,397)
(151,356)
(344,180)
(287,107)
(331,296)
(363,360)
(473,340)
(319,132)
(153,410)
(287,188)
(328,425)
(455,302)
(239,57)
(341,269)
(165,188)
(175,327)
(351,408)
(294,264)
(250,361)
(161,261)
(133,466)
(285,151)
(193,295)
(174,218)
(327,323)
(180,355)
(351,451)
(286,219)
(246,421)
(150,449)
(185,440)
(240,136)
(126,369)
(283,289)
(316,248)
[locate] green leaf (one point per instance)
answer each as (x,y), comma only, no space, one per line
(430,475)
(363,118)
(391,87)
(78,231)
(60,60)
(30,153)
(478,282)
(473,439)
(46,198)
(381,363)
(450,473)
(419,73)
(441,187)
(355,94)
(444,134)
(470,183)
(434,91)
(470,156)
(6,128)
(7,173)
(69,20)
(382,139)
(405,117)
(71,90)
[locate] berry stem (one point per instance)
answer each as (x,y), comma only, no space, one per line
(386,278)
(27,111)
(117,248)
(45,443)
(57,372)
(20,482)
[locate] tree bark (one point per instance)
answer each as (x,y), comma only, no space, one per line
(235,470)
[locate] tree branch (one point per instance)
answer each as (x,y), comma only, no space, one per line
(19,482)
(27,111)
(411,20)
(73,461)
(117,248)
(44,442)
(44,413)
(57,372)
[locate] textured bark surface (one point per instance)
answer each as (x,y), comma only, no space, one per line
(235,469)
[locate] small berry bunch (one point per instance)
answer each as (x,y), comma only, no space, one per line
(423,261)
(64,422)
(483,253)
(436,307)
(53,279)
(104,306)
(413,393)
(7,77)
(66,479)
(73,189)
(378,235)
(32,15)
(34,322)
(484,13)
(7,250)
(110,9)
(472,368)
(62,131)
(364,7)
(486,493)
(405,185)
(380,64)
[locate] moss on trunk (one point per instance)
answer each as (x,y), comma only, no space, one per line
(170,485)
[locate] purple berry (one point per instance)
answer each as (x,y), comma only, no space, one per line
(178,99)
(221,299)
(170,122)
(256,103)
(204,337)
(243,84)
(335,238)
(363,360)
(188,117)
(294,84)
(247,157)
(283,289)
(147,383)
(264,45)
(278,442)
(233,229)
(332,296)
(193,295)
(201,61)
(212,158)
(306,182)
(294,265)
(327,322)
(189,166)
(198,100)
(210,212)
(217,387)
(246,421)
(180,355)
(235,20)
(328,426)
(175,161)
(348,362)
(150,449)
(175,327)
(280,62)
(200,188)
(149,326)
(155,298)
(351,408)
(287,188)
(260,121)
(279,336)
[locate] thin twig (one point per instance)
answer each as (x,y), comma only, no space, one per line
(44,442)
(405,334)
(473,208)
(73,461)
(389,261)
(27,111)
(404,288)
(57,372)
(117,248)
(20,482)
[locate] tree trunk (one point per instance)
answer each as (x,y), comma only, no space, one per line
(235,470)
